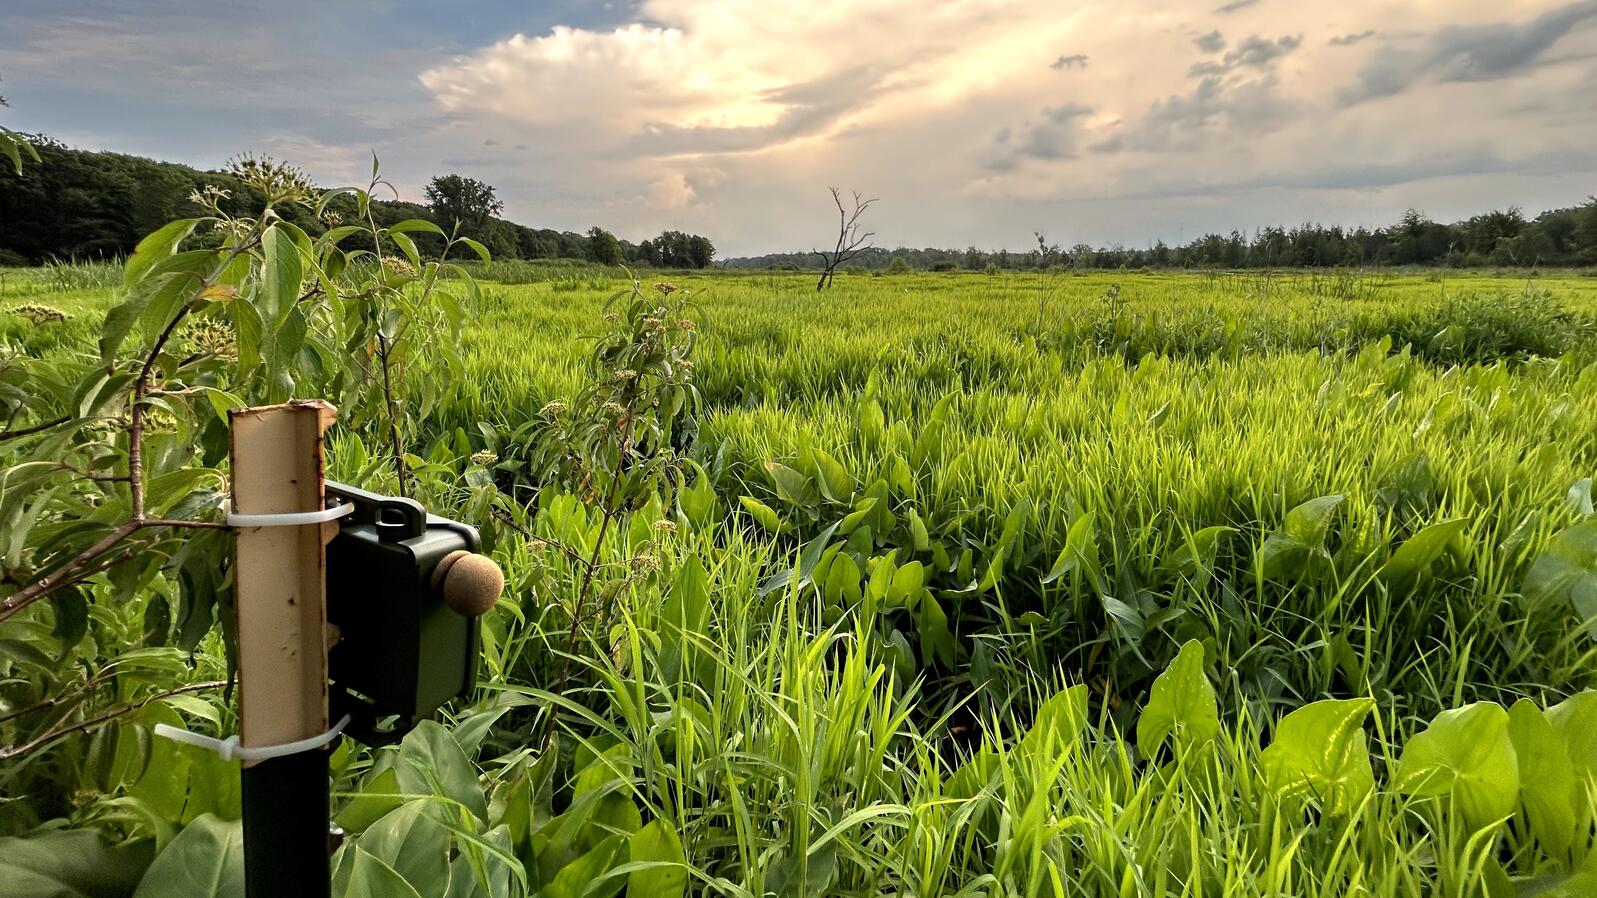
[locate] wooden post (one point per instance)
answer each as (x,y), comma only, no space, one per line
(280,596)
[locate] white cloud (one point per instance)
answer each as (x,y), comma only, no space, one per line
(733,116)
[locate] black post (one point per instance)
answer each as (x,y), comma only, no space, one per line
(286,803)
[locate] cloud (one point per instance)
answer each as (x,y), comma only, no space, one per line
(1348,40)
(1215,102)
(1462,53)
(1235,5)
(1052,137)
(971,120)
(1257,52)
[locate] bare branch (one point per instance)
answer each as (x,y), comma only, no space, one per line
(851,238)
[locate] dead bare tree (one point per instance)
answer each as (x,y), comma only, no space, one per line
(851,241)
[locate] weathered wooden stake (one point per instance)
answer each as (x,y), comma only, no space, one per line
(280,597)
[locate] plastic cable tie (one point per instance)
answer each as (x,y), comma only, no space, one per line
(229,749)
(290,518)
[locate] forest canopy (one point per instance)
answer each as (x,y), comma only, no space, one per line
(81,204)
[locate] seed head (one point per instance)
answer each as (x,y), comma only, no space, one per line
(39,314)
(281,182)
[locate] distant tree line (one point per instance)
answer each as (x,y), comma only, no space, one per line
(80,204)
(1501,238)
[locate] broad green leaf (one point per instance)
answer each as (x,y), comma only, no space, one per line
(206,860)
(871,422)
(793,487)
(920,540)
(371,878)
(907,582)
(1058,726)
(1320,752)
(1579,498)
(478,248)
(658,843)
(1567,572)
(432,763)
(1182,703)
(376,798)
(1547,781)
(414,844)
(1302,534)
(1575,719)
(1195,558)
(281,273)
(853,519)
(155,248)
(843,581)
(72,863)
(1080,553)
(936,640)
(575,878)
(1421,550)
(1466,753)
(410,225)
(763,514)
(835,482)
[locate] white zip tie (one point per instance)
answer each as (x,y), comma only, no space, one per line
(229,748)
(290,518)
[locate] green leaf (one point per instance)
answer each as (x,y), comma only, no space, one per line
(71,618)
(658,843)
(1421,550)
(834,479)
(155,248)
(1547,782)
(432,763)
(1567,572)
(73,863)
(936,640)
(414,844)
(843,581)
(281,273)
(206,860)
(1182,703)
(575,878)
(478,248)
(1465,753)
(1575,719)
(371,878)
(871,422)
(1195,559)
(375,799)
(1320,751)
(416,224)
(1286,551)
(1080,553)
(793,487)
(1059,725)
(920,540)
(907,582)
(763,514)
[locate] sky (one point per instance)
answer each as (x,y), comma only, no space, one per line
(975,122)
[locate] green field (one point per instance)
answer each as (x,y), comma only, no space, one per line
(907,624)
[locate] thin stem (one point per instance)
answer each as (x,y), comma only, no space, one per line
(579,611)
(33,429)
(59,731)
(389,404)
